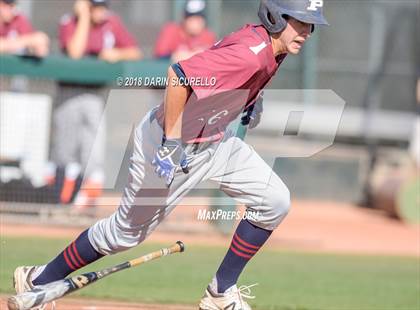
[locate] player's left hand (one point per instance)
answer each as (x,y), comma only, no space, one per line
(111,55)
(252,114)
(168,158)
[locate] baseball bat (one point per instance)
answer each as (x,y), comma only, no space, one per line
(43,294)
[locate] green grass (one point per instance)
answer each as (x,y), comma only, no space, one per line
(286,280)
(409,201)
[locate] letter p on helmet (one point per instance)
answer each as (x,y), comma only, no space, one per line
(315,5)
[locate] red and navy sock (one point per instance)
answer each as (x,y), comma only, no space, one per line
(246,242)
(77,255)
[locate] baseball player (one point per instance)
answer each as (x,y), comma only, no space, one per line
(17,35)
(186,140)
(93,29)
(180,41)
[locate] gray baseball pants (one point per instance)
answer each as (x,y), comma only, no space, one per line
(146,201)
(76,122)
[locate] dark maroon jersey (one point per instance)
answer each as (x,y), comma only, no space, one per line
(173,37)
(110,34)
(225,79)
(19,26)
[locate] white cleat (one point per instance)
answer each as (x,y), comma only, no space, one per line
(232,299)
(22,281)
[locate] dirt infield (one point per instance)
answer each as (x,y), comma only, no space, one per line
(310,226)
(343,228)
(89,304)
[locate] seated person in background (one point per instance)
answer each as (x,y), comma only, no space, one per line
(95,30)
(17,35)
(181,41)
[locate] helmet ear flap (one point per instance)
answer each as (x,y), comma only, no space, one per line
(270,17)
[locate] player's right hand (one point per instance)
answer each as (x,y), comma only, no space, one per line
(82,8)
(168,158)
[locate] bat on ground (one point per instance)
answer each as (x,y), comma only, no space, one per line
(43,294)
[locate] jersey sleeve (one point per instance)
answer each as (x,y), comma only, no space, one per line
(65,31)
(166,42)
(24,25)
(220,69)
(123,38)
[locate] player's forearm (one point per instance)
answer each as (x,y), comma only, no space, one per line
(129,54)
(77,44)
(12,45)
(175,98)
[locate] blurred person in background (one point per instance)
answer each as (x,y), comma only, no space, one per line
(191,36)
(17,35)
(93,30)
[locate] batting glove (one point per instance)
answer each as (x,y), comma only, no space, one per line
(168,157)
(252,114)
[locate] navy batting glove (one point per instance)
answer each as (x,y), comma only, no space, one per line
(168,157)
(252,114)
